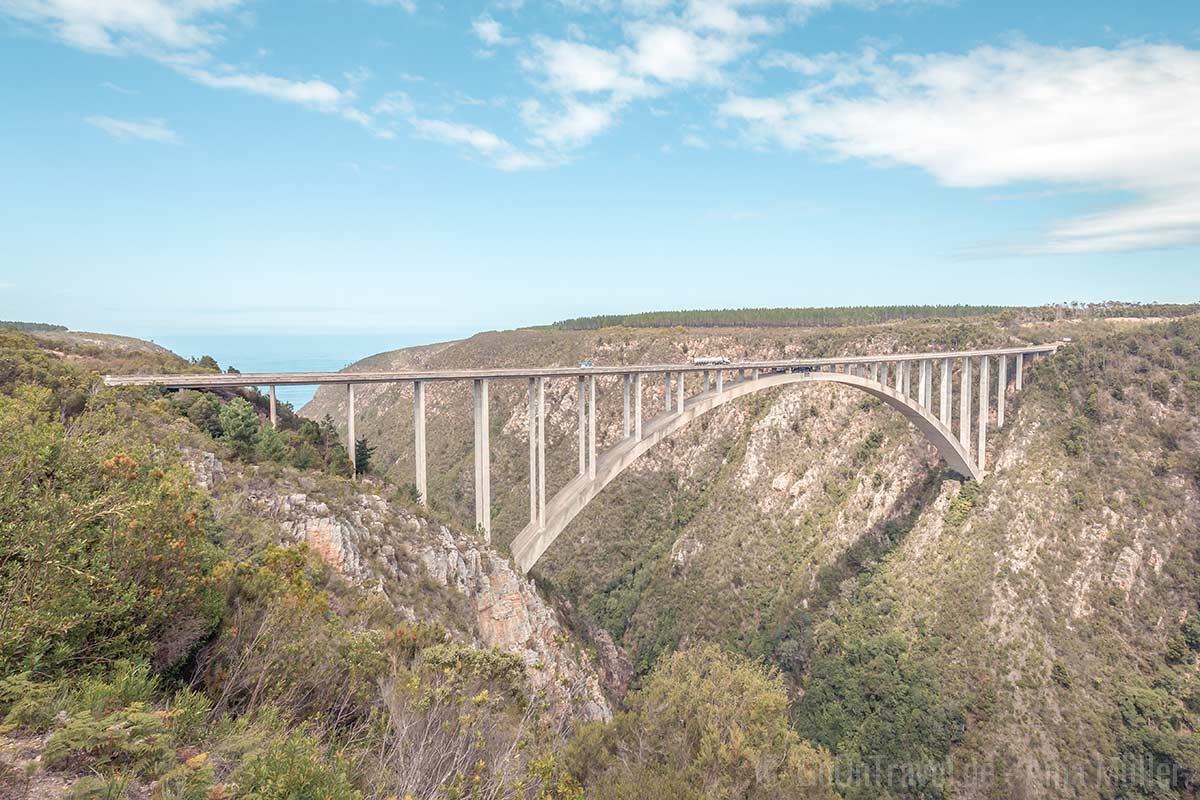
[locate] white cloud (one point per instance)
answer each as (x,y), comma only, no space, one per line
(483,141)
(315,94)
(479,140)
(1121,119)
(112,87)
(151,130)
(119,25)
(393,104)
(674,55)
(489,31)
(404,5)
(577,68)
(571,126)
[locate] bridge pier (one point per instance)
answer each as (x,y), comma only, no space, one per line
(667,392)
(419,474)
(541,450)
(720,381)
(483,461)
(922,397)
(1020,359)
(947,392)
(964,404)
(984,389)
(533,426)
(591,426)
(1002,381)
(274,420)
(679,395)
(905,380)
(637,407)
(581,401)
(625,388)
(706,381)
(350,428)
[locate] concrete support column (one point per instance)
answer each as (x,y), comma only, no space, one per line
(742,374)
(905,375)
(483,461)
(679,394)
(581,401)
(984,388)
(419,441)
(755,375)
(533,427)
(1001,390)
(947,393)
(625,388)
(637,407)
(667,392)
(350,427)
(541,452)
(706,381)
(875,371)
(922,374)
(592,426)
(964,404)
(1019,377)
(274,418)
(720,381)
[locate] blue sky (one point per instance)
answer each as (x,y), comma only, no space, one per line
(410,165)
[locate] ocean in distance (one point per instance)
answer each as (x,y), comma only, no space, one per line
(294,352)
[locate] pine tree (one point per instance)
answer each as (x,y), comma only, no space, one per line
(362,456)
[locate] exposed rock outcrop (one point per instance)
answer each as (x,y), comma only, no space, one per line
(377,544)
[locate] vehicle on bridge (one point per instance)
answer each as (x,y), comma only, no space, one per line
(709,361)
(585,365)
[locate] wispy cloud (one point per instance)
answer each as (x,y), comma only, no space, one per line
(503,154)
(114,26)
(112,87)
(1121,119)
(151,130)
(409,6)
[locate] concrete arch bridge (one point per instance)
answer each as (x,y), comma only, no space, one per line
(908,383)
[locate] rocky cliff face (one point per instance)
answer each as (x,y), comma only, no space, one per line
(428,571)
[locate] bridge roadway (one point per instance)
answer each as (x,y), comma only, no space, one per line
(224,380)
(887,376)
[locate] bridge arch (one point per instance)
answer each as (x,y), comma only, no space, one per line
(536,537)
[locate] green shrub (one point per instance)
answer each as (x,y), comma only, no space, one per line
(107,554)
(707,724)
(295,768)
(134,736)
(25,703)
(240,426)
(125,684)
(99,787)
(961,505)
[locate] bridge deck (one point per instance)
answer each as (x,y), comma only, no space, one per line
(226,380)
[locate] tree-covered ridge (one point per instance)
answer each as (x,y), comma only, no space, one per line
(835,316)
(775,317)
(29,327)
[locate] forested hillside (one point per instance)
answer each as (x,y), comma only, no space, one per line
(1029,635)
